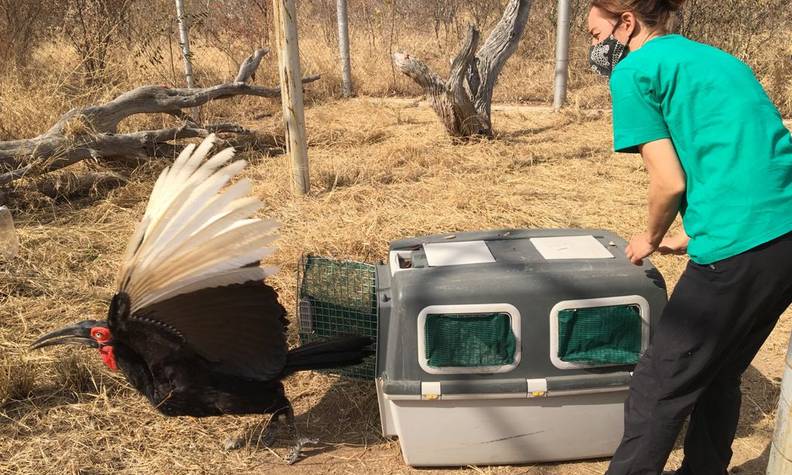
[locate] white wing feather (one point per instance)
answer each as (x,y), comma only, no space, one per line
(196,232)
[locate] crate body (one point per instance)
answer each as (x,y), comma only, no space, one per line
(507,431)
(537,400)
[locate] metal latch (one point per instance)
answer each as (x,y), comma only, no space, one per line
(430,391)
(537,388)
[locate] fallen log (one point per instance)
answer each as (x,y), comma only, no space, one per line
(91,132)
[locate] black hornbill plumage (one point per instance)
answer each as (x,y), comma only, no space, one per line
(193,326)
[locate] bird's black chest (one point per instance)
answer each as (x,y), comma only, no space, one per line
(215,394)
(179,386)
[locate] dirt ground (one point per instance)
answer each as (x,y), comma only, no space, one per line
(380,171)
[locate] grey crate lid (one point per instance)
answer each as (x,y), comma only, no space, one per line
(515,246)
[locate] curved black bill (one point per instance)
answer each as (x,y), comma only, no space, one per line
(78,334)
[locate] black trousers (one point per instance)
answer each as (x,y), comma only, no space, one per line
(714,324)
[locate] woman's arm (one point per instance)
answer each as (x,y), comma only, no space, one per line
(666,189)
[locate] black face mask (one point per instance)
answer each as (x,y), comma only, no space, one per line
(605,55)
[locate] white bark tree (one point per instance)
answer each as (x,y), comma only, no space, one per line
(184,43)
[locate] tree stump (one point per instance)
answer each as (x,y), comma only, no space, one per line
(464,101)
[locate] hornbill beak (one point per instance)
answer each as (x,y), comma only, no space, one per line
(78,334)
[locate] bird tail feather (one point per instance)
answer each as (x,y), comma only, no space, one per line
(197,232)
(335,353)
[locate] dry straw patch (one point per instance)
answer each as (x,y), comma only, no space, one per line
(381,171)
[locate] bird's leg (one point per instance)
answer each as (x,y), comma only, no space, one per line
(296,451)
(253,436)
(283,417)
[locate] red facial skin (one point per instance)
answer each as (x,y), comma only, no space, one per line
(102,336)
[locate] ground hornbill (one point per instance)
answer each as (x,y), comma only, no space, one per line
(192,325)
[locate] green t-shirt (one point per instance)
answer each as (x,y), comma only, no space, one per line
(729,136)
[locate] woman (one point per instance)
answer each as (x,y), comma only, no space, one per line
(717,152)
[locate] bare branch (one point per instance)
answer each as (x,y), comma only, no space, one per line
(90,132)
(247,71)
(71,185)
(157,99)
(419,72)
(56,152)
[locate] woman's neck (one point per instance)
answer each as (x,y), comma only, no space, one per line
(643,36)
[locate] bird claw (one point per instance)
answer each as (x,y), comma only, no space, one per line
(234,443)
(296,452)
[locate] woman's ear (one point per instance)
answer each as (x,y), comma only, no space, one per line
(626,29)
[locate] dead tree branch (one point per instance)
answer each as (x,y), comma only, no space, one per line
(464,101)
(159,99)
(248,68)
(91,132)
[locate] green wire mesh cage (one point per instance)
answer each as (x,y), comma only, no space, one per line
(338,297)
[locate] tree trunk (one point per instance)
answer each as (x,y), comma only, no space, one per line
(343,46)
(780,462)
(464,101)
(184,43)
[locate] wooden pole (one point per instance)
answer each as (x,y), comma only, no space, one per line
(343,46)
(285,17)
(780,462)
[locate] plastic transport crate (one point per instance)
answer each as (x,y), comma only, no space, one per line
(498,347)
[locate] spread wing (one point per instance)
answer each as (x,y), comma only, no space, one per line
(193,265)
(240,328)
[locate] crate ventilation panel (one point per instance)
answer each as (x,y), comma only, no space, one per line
(610,335)
(469,340)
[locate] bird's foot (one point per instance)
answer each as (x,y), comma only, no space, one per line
(296,452)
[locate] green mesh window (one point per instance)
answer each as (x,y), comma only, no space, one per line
(469,340)
(600,335)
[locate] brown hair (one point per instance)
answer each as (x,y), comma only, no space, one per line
(655,14)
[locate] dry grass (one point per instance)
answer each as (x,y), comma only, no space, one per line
(381,171)
(52,82)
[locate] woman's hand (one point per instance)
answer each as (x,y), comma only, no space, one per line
(676,244)
(640,247)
